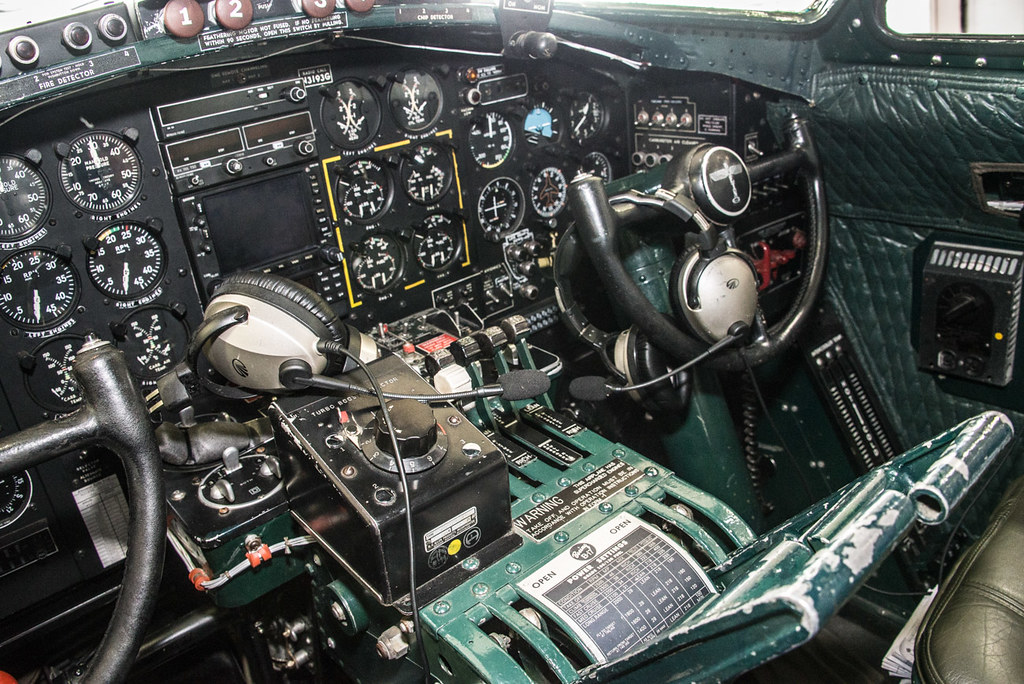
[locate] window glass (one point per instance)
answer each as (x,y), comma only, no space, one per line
(977,17)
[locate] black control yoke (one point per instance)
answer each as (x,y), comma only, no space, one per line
(114,416)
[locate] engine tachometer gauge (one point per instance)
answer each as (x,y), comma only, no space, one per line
(586,117)
(48,377)
(548,192)
(438,247)
(38,288)
(426,172)
(101,172)
(15,496)
(415,99)
(153,340)
(351,114)
(125,260)
(364,190)
(24,198)
(490,140)
(500,207)
(378,262)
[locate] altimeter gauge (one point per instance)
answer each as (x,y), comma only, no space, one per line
(15,496)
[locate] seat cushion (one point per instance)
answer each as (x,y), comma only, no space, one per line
(974,630)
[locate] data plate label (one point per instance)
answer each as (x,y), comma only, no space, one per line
(620,586)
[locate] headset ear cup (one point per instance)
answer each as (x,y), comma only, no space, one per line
(640,361)
(711,292)
(294,299)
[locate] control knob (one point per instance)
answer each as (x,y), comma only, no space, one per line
(415,428)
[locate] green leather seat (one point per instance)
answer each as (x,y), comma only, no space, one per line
(974,630)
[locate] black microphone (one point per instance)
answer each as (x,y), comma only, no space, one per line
(516,385)
(595,388)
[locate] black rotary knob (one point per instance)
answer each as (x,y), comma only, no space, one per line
(415,428)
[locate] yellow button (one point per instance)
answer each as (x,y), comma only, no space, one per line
(454,546)
(999,335)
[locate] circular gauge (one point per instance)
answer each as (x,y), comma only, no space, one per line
(24,198)
(490,140)
(500,207)
(548,192)
(426,173)
(101,173)
(351,115)
(15,496)
(415,100)
(153,340)
(125,261)
(378,262)
(586,117)
(364,190)
(38,288)
(438,248)
(597,164)
(48,377)
(542,124)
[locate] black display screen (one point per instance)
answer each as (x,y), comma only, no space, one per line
(261,222)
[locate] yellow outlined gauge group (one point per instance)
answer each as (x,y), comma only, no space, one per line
(337,229)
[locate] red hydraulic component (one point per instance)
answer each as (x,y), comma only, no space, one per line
(770,260)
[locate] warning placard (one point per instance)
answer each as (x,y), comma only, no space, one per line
(577,499)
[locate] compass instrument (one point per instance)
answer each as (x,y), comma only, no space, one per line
(24,198)
(38,288)
(415,99)
(500,207)
(364,190)
(125,260)
(438,247)
(351,114)
(426,172)
(378,262)
(48,377)
(100,172)
(490,140)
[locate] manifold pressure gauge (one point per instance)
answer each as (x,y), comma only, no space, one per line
(100,172)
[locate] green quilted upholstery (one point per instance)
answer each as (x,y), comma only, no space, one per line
(896,146)
(897,143)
